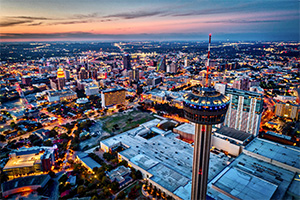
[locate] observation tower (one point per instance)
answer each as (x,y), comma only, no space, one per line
(204,106)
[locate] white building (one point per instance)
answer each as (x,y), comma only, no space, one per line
(61,95)
(220,87)
(91,89)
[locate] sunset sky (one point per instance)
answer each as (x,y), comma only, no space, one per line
(39,20)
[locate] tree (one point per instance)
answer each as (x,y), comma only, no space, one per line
(121,195)
(51,174)
(48,143)
(80,189)
(13,124)
(114,186)
(138,174)
(3,177)
(63,179)
(94,197)
(2,138)
(124,163)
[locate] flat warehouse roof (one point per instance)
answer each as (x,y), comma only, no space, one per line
(242,185)
(281,153)
(164,156)
(250,178)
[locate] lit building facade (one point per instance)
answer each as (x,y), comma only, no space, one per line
(241,83)
(91,89)
(245,110)
(288,110)
(61,95)
(61,81)
(114,96)
(30,160)
(83,73)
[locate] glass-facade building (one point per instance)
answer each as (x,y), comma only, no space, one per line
(245,110)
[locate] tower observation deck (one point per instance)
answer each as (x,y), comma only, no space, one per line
(204,106)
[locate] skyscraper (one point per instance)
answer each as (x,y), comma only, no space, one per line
(126,62)
(205,107)
(83,73)
(245,110)
(61,81)
(161,66)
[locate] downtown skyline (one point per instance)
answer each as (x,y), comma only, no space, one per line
(156,20)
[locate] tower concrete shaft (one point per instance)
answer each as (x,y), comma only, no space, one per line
(201,161)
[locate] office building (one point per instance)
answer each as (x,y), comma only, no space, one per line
(162,66)
(245,110)
(133,74)
(172,68)
(91,89)
(61,81)
(114,96)
(154,80)
(93,73)
(61,95)
(30,160)
(126,62)
(186,62)
(67,74)
(54,84)
(26,80)
(288,110)
(83,73)
(204,107)
(241,83)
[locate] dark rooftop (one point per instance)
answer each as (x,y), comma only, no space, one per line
(24,181)
(233,133)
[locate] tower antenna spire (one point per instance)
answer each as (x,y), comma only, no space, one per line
(207,69)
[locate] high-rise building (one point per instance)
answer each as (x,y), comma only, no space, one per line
(93,73)
(26,80)
(204,107)
(161,66)
(112,97)
(245,110)
(186,62)
(61,81)
(133,74)
(288,110)
(83,73)
(172,67)
(67,74)
(126,62)
(242,83)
